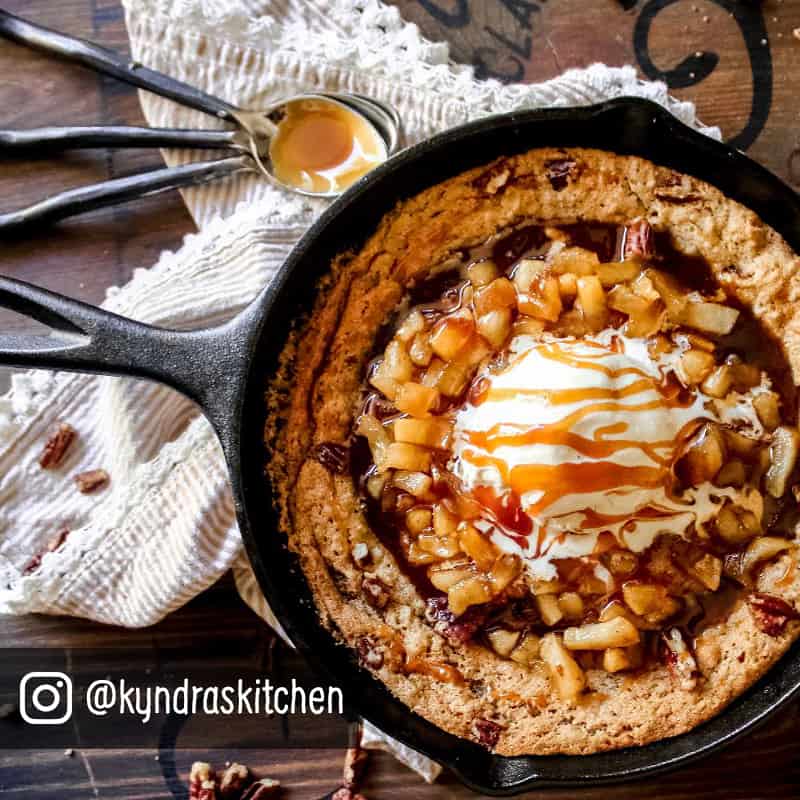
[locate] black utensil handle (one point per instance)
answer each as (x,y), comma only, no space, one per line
(109,62)
(120,190)
(207,365)
(53,139)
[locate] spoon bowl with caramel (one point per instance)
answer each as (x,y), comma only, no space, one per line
(320,144)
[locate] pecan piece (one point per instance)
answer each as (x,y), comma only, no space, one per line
(494,178)
(559,171)
(670,188)
(355,761)
(771,613)
(91,480)
(486,731)
(345,793)
(58,442)
(369,653)
(456,631)
(679,658)
(676,199)
(202,785)
(639,240)
(334,457)
(375,591)
(50,547)
(263,789)
(233,781)
(669,180)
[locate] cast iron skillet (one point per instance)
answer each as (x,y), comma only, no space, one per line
(225,370)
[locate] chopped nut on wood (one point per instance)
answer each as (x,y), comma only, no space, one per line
(262,789)
(347,794)
(91,480)
(233,781)
(355,761)
(202,785)
(56,446)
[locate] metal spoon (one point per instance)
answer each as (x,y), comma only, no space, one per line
(254,133)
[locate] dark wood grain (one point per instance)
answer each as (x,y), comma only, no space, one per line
(81,257)
(521,40)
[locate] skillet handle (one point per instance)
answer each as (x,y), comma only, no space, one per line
(208,365)
(109,62)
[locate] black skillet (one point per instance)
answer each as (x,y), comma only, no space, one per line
(225,370)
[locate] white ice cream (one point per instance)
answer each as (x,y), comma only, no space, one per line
(585,434)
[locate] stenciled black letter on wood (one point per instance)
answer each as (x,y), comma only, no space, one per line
(698,66)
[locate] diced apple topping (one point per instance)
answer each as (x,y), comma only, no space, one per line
(400,455)
(566,675)
(576,260)
(498,294)
(703,456)
(618,632)
(542,300)
(416,400)
(495,326)
(605,609)
(433,432)
(450,336)
(695,366)
(783,457)
(710,317)
(481,273)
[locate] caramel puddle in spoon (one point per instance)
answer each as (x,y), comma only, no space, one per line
(322,146)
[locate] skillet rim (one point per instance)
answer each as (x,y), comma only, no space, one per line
(628,126)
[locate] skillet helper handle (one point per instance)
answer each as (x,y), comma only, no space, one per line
(208,365)
(120,190)
(57,139)
(109,62)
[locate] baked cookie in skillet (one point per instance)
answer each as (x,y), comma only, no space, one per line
(535,449)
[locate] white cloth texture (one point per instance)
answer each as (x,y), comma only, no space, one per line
(165,529)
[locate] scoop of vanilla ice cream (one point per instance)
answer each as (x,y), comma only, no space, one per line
(560,410)
(585,435)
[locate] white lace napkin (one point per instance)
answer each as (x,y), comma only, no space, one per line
(164,529)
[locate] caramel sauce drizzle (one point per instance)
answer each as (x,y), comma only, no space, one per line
(560,433)
(600,474)
(568,396)
(557,480)
(439,671)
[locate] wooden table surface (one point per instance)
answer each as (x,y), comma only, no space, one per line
(736,59)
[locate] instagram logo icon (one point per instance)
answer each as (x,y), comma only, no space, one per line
(45,698)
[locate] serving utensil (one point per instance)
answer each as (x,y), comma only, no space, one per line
(250,139)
